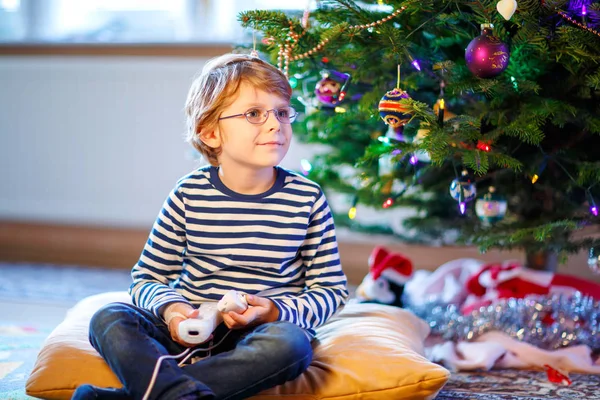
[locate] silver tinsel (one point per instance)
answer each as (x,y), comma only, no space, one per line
(547,322)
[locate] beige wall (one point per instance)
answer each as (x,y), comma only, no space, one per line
(120,248)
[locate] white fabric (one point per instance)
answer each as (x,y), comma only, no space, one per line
(446,283)
(395,276)
(498,350)
(541,278)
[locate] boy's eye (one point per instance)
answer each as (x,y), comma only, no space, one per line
(254,113)
(283,112)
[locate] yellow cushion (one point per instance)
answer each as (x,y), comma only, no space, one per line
(366,352)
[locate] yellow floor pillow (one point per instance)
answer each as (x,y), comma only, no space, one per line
(366,352)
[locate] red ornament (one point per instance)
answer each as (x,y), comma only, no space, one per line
(556,377)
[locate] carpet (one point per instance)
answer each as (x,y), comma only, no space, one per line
(19,346)
(512,384)
(33,300)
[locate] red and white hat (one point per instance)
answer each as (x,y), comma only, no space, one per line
(393,266)
(510,279)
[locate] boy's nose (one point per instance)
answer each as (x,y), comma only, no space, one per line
(272,122)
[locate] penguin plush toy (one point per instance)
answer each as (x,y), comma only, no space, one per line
(388,273)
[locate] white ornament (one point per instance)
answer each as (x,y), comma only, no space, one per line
(507,8)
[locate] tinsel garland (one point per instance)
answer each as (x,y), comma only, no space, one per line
(547,322)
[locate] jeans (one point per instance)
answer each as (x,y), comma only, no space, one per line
(248,361)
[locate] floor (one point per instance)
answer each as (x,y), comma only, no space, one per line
(41,294)
(23,312)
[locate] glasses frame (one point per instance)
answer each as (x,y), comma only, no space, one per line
(265,115)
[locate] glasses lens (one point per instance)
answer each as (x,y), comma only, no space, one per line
(286,115)
(256,116)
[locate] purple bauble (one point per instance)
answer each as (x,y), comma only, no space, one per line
(328,91)
(486,55)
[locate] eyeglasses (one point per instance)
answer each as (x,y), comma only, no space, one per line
(258,116)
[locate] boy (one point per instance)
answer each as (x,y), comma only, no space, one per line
(241,223)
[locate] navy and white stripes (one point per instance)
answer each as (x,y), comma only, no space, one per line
(280,244)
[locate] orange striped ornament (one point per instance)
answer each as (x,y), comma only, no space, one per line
(391,111)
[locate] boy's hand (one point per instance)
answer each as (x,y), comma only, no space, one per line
(260,310)
(189,312)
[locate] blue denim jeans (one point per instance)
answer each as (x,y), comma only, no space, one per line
(131,339)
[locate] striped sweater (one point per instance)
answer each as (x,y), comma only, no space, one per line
(208,239)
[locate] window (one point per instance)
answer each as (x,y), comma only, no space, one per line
(128,21)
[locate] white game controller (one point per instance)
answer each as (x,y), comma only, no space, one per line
(198,330)
(233,301)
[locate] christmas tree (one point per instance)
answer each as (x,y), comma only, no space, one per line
(483,117)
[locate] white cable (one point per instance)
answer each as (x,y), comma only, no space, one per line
(208,349)
(182,354)
(156,368)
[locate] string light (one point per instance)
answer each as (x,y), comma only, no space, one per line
(352,210)
(388,203)
(483,146)
(592,203)
(390,140)
(306,166)
(462,207)
(441,103)
(414,62)
(352,213)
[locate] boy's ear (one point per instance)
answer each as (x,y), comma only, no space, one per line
(210,137)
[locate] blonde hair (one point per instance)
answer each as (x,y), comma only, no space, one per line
(215,88)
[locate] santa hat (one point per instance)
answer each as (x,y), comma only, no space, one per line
(393,266)
(509,274)
(511,279)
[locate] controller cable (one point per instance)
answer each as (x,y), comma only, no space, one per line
(187,354)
